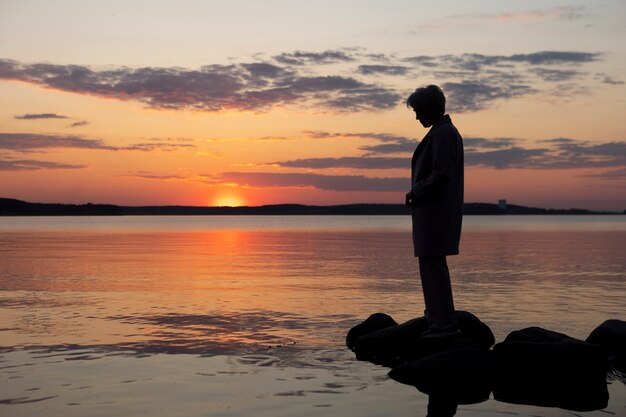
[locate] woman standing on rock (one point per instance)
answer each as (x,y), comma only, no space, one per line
(436,201)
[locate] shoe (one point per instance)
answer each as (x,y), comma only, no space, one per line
(440,334)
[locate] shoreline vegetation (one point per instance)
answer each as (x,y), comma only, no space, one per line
(13,207)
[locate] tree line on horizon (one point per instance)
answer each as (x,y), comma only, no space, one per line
(13,207)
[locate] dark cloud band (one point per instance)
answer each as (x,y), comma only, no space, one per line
(32,141)
(33,165)
(499,153)
(35,116)
(472,82)
(29,142)
(355,162)
(324,182)
(251,86)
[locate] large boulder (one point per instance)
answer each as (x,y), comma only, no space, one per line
(532,364)
(536,334)
(542,367)
(394,345)
(612,335)
(376,321)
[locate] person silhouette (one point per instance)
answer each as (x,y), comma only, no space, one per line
(436,202)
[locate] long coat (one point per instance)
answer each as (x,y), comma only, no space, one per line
(437,188)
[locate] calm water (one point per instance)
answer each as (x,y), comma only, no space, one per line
(291,285)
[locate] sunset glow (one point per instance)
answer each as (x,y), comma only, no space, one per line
(228,200)
(160,106)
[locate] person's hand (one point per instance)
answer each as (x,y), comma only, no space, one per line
(409,199)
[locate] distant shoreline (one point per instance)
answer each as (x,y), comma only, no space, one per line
(12,207)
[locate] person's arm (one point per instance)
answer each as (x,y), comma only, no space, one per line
(443,144)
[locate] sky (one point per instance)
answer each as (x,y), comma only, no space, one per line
(268,102)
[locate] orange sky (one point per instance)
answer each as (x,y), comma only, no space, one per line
(113,104)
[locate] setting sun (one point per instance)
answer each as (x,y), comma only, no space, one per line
(228,200)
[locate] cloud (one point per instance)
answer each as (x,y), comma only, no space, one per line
(558,13)
(212,88)
(476,62)
(36,116)
(553,57)
(611,81)
(424,60)
(265,70)
(322,182)
(382,137)
(33,141)
(514,157)
(383,69)
(160,146)
(391,148)
(494,143)
(79,124)
(551,14)
(151,176)
(29,142)
(391,144)
(615,174)
(470,95)
(499,153)
(33,165)
(555,75)
(304,58)
(356,162)
(473,81)
(560,153)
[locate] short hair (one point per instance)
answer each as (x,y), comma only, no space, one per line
(429,98)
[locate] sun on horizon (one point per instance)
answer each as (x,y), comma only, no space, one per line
(228,200)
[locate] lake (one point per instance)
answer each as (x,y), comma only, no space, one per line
(247,315)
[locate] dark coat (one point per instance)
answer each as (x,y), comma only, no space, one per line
(437,188)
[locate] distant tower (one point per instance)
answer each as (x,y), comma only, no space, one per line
(502,205)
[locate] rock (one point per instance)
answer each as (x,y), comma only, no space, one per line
(390,346)
(612,335)
(536,334)
(473,328)
(374,322)
(532,366)
(535,363)
(542,367)
(535,359)
(394,345)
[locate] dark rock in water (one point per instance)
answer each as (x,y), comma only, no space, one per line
(547,363)
(394,345)
(538,366)
(532,366)
(612,335)
(374,322)
(541,367)
(536,334)
(462,375)
(391,345)
(473,328)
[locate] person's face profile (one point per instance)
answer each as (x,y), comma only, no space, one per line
(423,117)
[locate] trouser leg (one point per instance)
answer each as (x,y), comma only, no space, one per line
(437,289)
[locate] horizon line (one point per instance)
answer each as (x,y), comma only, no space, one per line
(506,204)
